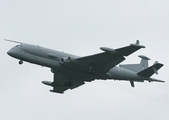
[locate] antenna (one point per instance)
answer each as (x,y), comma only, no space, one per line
(13,41)
(137,42)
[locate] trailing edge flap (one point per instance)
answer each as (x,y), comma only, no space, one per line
(151,70)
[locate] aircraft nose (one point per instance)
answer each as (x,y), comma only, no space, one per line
(11,52)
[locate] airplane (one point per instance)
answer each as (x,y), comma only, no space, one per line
(71,71)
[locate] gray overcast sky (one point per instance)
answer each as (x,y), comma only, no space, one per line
(80,28)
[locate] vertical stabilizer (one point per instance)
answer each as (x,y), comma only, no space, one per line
(138,67)
(144,61)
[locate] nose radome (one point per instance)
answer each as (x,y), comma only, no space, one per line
(11,52)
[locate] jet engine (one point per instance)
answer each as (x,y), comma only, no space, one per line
(66,60)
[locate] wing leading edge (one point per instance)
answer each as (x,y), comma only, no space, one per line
(108,59)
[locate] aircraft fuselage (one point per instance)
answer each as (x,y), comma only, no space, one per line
(38,55)
(58,62)
(71,71)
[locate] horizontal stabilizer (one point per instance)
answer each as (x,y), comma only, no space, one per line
(155,80)
(151,70)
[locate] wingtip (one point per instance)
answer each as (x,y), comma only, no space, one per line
(53,91)
(137,45)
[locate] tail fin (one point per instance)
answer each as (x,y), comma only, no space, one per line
(144,61)
(138,67)
(148,72)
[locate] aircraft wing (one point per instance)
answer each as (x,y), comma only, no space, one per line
(98,63)
(59,84)
(103,62)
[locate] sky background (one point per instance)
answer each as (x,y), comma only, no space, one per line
(81,28)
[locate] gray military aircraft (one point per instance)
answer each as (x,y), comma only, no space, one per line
(71,71)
